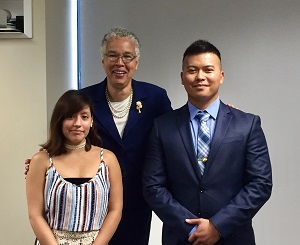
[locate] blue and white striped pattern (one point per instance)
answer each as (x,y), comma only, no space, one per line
(203,139)
(76,207)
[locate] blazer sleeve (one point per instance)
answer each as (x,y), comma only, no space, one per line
(156,192)
(257,185)
(165,102)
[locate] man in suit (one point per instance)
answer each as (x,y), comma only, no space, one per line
(206,190)
(125,110)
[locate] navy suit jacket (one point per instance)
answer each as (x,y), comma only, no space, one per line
(237,180)
(130,149)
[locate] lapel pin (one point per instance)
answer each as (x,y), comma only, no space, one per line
(139,106)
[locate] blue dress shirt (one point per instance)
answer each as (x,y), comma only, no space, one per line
(212,110)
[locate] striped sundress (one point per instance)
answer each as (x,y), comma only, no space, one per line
(75,213)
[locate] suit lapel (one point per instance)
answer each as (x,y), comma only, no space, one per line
(223,120)
(183,123)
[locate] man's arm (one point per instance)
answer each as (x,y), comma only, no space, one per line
(156,192)
(257,187)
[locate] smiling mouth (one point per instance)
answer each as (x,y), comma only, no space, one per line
(119,72)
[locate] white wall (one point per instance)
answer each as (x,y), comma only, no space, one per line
(33,74)
(59,51)
(259,42)
(23,123)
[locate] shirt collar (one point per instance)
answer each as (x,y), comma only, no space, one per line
(212,109)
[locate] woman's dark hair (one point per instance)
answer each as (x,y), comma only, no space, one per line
(70,103)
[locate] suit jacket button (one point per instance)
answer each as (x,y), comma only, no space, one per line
(202,189)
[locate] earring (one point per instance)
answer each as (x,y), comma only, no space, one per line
(91,125)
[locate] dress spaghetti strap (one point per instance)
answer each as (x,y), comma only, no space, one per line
(101,154)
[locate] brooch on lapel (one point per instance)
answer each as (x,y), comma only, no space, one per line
(139,106)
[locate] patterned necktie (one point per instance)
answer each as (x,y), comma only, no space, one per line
(203,139)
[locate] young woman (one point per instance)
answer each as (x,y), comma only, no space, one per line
(74,187)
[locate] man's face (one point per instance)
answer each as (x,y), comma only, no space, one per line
(201,77)
(119,74)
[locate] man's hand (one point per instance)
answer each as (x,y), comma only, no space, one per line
(205,234)
(232,106)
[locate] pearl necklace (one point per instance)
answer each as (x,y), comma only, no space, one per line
(75,147)
(114,111)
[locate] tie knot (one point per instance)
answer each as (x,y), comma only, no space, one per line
(202,116)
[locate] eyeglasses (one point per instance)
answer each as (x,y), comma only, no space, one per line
(126,58)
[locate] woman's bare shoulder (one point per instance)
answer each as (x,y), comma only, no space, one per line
(41,156)
(109,158)
(108,154)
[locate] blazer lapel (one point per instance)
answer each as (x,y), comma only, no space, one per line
(103,114)
(139,94)
(223,120)
(183,123)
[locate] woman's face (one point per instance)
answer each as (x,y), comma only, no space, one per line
(119,73)
(76,127)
